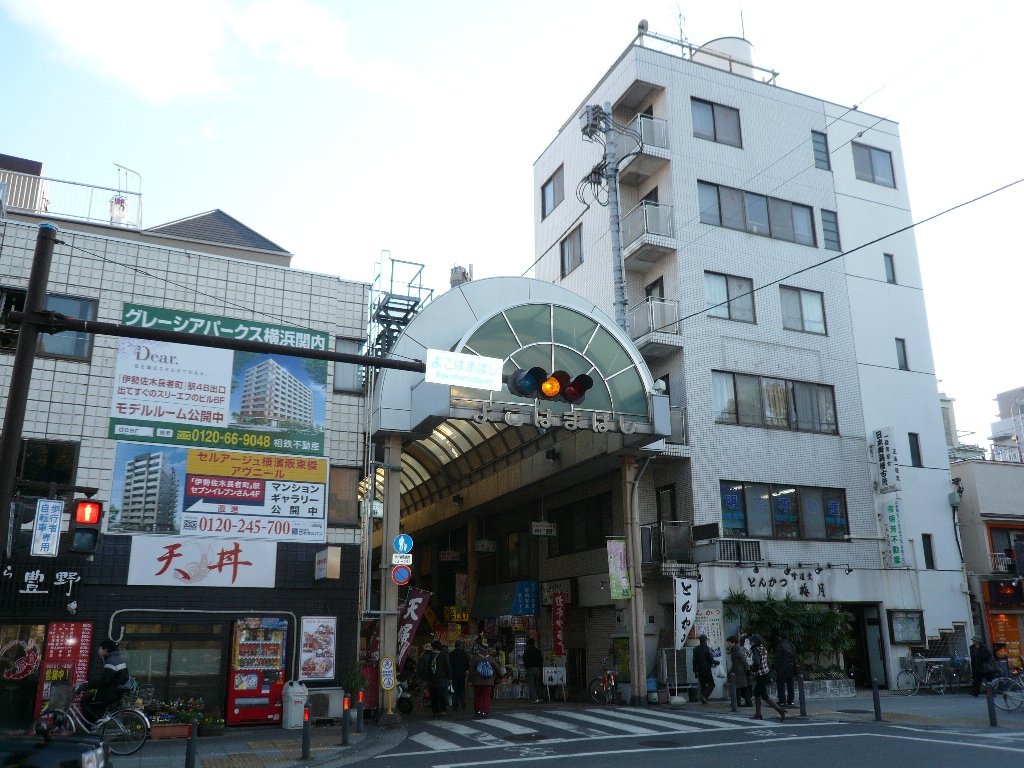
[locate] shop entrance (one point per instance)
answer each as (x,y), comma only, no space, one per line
(866,659)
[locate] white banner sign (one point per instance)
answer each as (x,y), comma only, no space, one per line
(319,641)
(543,529)
(46,528)
(461,370)
(685,601)
(894,534)
(196,562)
(888,461)
(399,559)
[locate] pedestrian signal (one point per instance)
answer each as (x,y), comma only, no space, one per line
(84,535)
(536,383)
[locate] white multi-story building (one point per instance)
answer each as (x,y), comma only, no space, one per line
(1008,432)
(270,395)
(782,331)
(150,495)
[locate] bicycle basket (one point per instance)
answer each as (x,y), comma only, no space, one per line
(60,696)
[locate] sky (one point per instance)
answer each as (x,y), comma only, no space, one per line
(340,129)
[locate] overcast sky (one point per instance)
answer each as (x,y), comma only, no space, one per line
(339,129)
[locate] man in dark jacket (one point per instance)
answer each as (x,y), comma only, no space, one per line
(983,666)
(785,669)
(703,663)
(459,661)
(533,661)
(440,671)
(106,687)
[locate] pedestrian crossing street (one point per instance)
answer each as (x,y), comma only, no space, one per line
(449,733)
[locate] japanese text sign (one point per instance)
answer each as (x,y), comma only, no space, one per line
(618,580)
(166,561)
(894,534)
(685,600)
(46,528)
(460,370)
(888,461)
(558,601)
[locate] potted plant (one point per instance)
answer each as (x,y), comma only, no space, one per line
(212,725)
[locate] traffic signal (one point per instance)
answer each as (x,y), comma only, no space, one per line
(536,383)
(84,534)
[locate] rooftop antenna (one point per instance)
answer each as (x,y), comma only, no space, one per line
(743,28)
(680,22)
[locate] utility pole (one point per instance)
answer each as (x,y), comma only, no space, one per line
(390,528)
(612,178)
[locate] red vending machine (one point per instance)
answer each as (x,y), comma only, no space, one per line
(256,679)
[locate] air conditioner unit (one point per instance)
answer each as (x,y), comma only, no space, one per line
(326,703)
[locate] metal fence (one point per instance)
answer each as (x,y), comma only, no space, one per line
(26,193)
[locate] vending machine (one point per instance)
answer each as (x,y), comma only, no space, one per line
(256,678)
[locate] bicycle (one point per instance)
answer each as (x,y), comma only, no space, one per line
(602,689)
(1008,690)
(909,681)
(123,727)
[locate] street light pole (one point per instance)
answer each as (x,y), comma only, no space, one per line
(612,178)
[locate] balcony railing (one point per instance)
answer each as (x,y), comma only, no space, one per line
(653,315)
(665,541)
(1001,563)
(25,193)
(646,219)
(653,132)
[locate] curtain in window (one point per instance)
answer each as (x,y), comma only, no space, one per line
(881,165)
(803,227)
(724,397)
(732,208)
(759,510)
(792,314)
(776,405)
(748,400)
(757,214)
(717,293)
(727,125)
(707,198)
(741,307)
(827,410)
(813,310)
(805,402)
(862,163)
(782,219)
(703,119)
(812,513)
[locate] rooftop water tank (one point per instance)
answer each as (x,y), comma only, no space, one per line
(738,53)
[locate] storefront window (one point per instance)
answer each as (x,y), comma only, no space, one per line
(19,677)
(179,661)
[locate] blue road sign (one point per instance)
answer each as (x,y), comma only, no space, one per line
(401,574)
(403,543)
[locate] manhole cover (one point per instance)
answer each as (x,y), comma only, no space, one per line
(525,737)
(856,711)
(659,743)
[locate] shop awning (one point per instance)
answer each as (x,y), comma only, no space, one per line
(516,598)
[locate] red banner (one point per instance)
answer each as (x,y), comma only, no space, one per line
(408,622)
(68,645)
(558,600)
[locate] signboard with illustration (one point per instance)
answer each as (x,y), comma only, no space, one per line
(229,494)
(319,641)
(176,394)
(179,562)
(618,579)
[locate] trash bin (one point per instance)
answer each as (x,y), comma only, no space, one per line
(293,701)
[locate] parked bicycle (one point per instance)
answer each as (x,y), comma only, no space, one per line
(1008,690)
(910,680)
(602,689)
(123,727)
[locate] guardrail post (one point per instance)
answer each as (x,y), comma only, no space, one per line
(359,711)
(345,722)
(803,696)
(307,733)
(190,747)
(877,700)
(732,692)
(991,699)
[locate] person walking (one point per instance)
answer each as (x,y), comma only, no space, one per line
(703,664)
(785,668)
(484,670)
(740,667)
(762,679)
(459,661)
(983,665)
(533,661)
(440,677)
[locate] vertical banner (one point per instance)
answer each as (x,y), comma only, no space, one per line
(46,528)
(66,660)
(618,579)
(319,645)
(894,534)
(462,593)
(412,612)
(888,461)
(685,601)
(558,600)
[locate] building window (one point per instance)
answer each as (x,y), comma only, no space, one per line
(716,123)
(572,250)
(929,554)
(802,310)
(551,193)
(874,165)
(71,345)
(729,297)
(915,449)
(764,511)
(757,214)
(665,498)
(901,355)
(580,526)
(820,143)
(348,377)
(757,401)
(890,268)
(830,230)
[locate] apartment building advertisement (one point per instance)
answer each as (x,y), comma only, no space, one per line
(176,394)
(182,491)
(888,461)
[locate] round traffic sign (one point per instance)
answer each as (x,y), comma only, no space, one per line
(401,574)
(403,543)
(387,673)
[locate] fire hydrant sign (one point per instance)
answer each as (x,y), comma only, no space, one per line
(456,369)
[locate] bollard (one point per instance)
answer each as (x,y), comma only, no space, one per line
(359,711)
(190,747)
(307,733)
(344,722)
(803,696)
(989,695)
(877,700)
(732,692)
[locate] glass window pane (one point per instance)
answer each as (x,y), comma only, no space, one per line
(890,268)
(559,186)
(741,299)
(776,403)
(792,312)
(812,513)
(782,219)
(803,225)
(703,119)
(571,329)
(727,125)
(830,229)
(347,376)
(901,355)
(734,519)
(805,403)
(732,208)
(759,510)
(628,393)
(748,400)
(836,523)
(716,293)
(531,322)
(820,143)
(494,339)
(881,165)
(724,396)
(757,214)
(827,409)
(607,354)
(862,163)
(787,522)
(68,343)
(707,198)
(814,311)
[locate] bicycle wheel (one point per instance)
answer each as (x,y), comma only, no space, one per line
(125,732)
(598,691)
(55,722)
(907,683)
(936,680)
(1007,693)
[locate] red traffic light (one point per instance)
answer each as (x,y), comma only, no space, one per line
(536,383)
(84,535)
(576,391)
(88,512)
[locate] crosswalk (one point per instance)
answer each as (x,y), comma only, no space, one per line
(500,730)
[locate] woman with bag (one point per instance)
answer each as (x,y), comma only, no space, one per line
(762,678)
(484,668)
